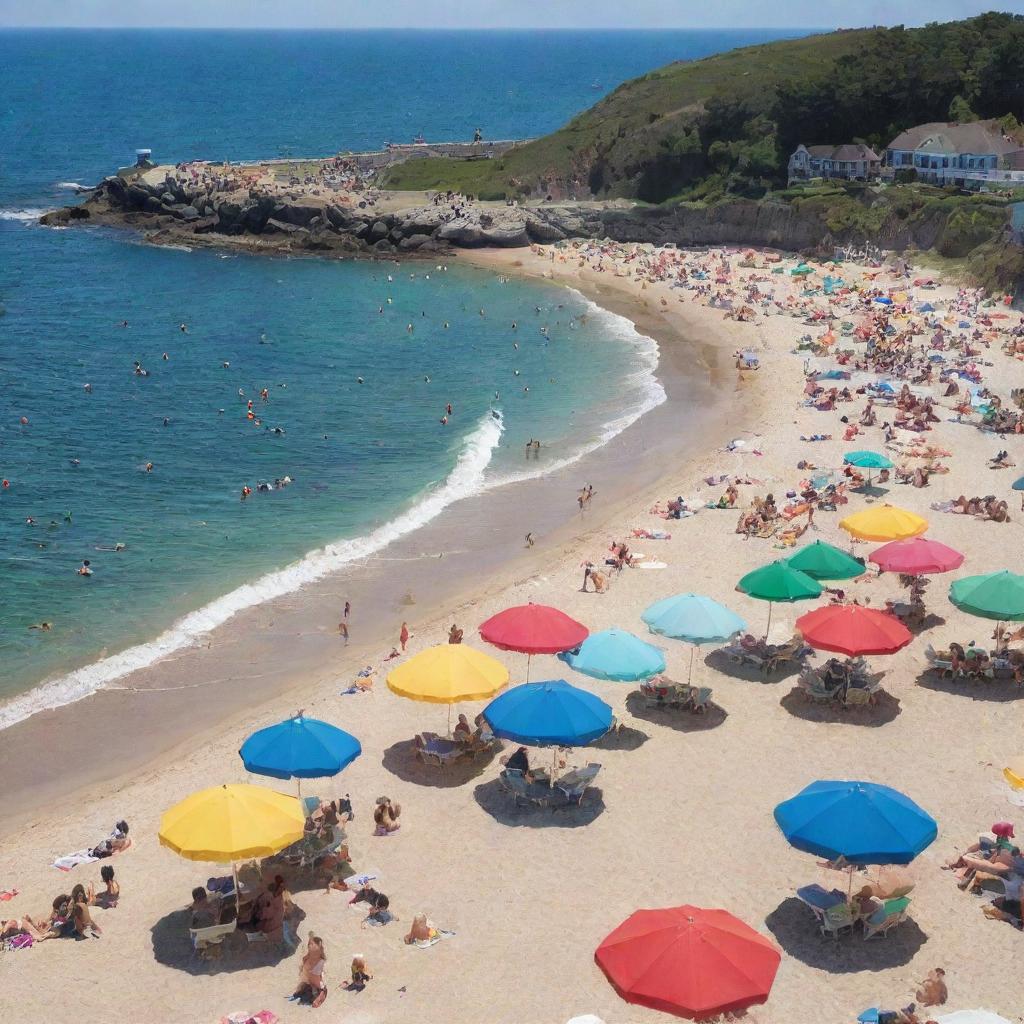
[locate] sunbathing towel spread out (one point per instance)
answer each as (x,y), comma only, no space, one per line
(8,894)
(436,935)
(359,881)
(71,860)
(653,565)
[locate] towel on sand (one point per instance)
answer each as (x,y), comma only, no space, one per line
(67,862)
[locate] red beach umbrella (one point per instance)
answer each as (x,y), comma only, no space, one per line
(533,629)
(691,962)
(852,630)
(916,557)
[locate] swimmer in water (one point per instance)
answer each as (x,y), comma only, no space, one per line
(123,323)
(44,626)
(446,325)
(88,388)
(444,421)
(84,569)
(449,410)
(149,467)
(165,357)
(529,540)
(426,380)
(167,422)
(513,325)
(183,328)
(359,380)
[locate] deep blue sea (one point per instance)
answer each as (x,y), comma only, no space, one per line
(368,461)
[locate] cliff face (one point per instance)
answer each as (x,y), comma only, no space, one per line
(173,211)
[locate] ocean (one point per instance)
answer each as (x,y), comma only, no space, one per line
(349,366)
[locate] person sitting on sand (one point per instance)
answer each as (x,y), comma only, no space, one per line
(1008,906)
(116,842)
(269,912)
(932,991)
(59,922)
(360,974)
(311,972)
(108,896)
(83,922)
(421,930)
(380,914)
(339,867)
(454,635)
(385,816)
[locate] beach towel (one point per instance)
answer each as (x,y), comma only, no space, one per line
(436,935)
(263,1017)
(653,565)
(8,894)
(19,942)
(71,860)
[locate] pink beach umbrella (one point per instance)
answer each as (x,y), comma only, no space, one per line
(917,556)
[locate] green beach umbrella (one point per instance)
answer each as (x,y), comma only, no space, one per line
(778,581)
(995,595)
(823,561)
(867,460)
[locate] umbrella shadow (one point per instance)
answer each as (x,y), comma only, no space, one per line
(718,661)
(796,930)
(172,947)
(997,691)
(500,805)
(625,737)
(401,760)
(931,621)
(676,718)
(885,709)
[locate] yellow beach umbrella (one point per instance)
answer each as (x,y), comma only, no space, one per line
(884,522)
(1014,773)
(448,674)
(232,823)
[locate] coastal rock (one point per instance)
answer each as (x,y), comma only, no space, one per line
(378,231)
(383,246)
(462,232)
(542,231)
(66,214)
(189,213)
(273,224)
(418,241)
(506,235)
(300,213)
(137,196)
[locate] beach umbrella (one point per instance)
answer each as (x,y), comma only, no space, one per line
(533,629)
(616,655)
(867,460)
(823,561)
(694,619)
(917,556)
(448,674)
(300,748)
(996,595)
(861,822)
(1018,485)
(778,581)
(689,961)
(853,630)
(548,714)
(884,522)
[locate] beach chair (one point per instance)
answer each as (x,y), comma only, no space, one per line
(939,662)
(890,914)
(658,695)
(574,784)
(835,920)
(207,941)
(699,699)
(436,750)
(514,782)
(858,697)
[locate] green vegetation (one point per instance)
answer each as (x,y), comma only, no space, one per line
(724,125)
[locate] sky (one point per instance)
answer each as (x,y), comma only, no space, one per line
(579,14)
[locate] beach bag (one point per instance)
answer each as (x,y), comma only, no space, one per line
(320,997)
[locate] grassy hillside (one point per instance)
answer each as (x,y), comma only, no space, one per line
(726,124)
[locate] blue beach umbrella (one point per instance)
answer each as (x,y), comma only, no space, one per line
(548,714)
(300,748)
(1018,485)
(695,619)
(883,300)
(862,822)
(616,655)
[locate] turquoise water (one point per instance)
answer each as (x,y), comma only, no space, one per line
(369,461)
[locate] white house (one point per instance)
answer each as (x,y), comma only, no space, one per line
(852,162)
(950,153)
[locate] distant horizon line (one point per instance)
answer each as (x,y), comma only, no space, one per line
(422,28)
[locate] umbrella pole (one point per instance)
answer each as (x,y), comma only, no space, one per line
(238,897)
(298,787)
(528,666)
(449,719)
(769,629)
(689,675)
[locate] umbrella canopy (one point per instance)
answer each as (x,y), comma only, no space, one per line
(996,595)
(867,460)
(448,674)
(852,630)
(884,522)
(231,823)
(823,561)
(861,822)
(533,629)
(778,581)
(1018,485)
(693,618)
(301,748)
(547,714)
(688,961)
(917,556)
(617,655)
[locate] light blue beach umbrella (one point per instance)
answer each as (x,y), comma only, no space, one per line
(867,460)
(1018,485)
(300,748)
(695,619)
(616,655)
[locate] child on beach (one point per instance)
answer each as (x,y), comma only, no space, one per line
(360,974)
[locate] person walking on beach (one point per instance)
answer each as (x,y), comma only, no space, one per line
(348,610)
(343,631)
(403,636)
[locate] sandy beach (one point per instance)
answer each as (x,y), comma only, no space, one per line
(682,809)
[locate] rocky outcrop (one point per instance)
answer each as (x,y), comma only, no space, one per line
(170,208)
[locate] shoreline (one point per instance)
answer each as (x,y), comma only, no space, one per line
(174,734)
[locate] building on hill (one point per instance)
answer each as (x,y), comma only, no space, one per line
(956,154)
(852,161)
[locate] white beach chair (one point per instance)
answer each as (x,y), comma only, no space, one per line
(207,940)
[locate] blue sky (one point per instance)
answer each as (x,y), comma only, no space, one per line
(487,13)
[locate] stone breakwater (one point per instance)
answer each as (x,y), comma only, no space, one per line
(176,211)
